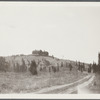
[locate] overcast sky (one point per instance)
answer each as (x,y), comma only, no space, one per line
(66,30)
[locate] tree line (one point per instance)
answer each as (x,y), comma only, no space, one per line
(4,66)
(20,67)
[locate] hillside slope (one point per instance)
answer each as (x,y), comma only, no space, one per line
(18,82)
(42,61)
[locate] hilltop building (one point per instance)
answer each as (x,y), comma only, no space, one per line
(40,53)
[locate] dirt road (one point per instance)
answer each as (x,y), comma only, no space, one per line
(75,87)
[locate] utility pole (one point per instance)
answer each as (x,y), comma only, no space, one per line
(98,59)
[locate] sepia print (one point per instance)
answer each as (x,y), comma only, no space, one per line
(49,48)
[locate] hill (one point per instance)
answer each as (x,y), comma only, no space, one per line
(51,72)
(41,61)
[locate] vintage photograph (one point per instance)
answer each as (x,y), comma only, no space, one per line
(49,48)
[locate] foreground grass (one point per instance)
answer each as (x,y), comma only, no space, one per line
(95,87)
(11,82)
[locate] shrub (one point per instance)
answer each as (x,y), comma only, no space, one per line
(62,64)
(70,67)
(28,63)
(66,64)
(33,68)
(17,67)
(57,68)
(54,69)
(23,67)
(3,64)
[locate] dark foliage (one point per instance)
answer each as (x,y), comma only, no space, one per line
(3,64)
(23,67)
(57,68)
(95,68)
(53,56)
(70,67)
(54,69)
(79,66)
(17,69)
(83,67)
(20,68)
(61,64)
(33,68)
(76,63)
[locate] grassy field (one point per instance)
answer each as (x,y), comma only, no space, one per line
(11,82)
(17,82)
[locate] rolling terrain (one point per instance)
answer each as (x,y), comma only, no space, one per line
(25,82)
